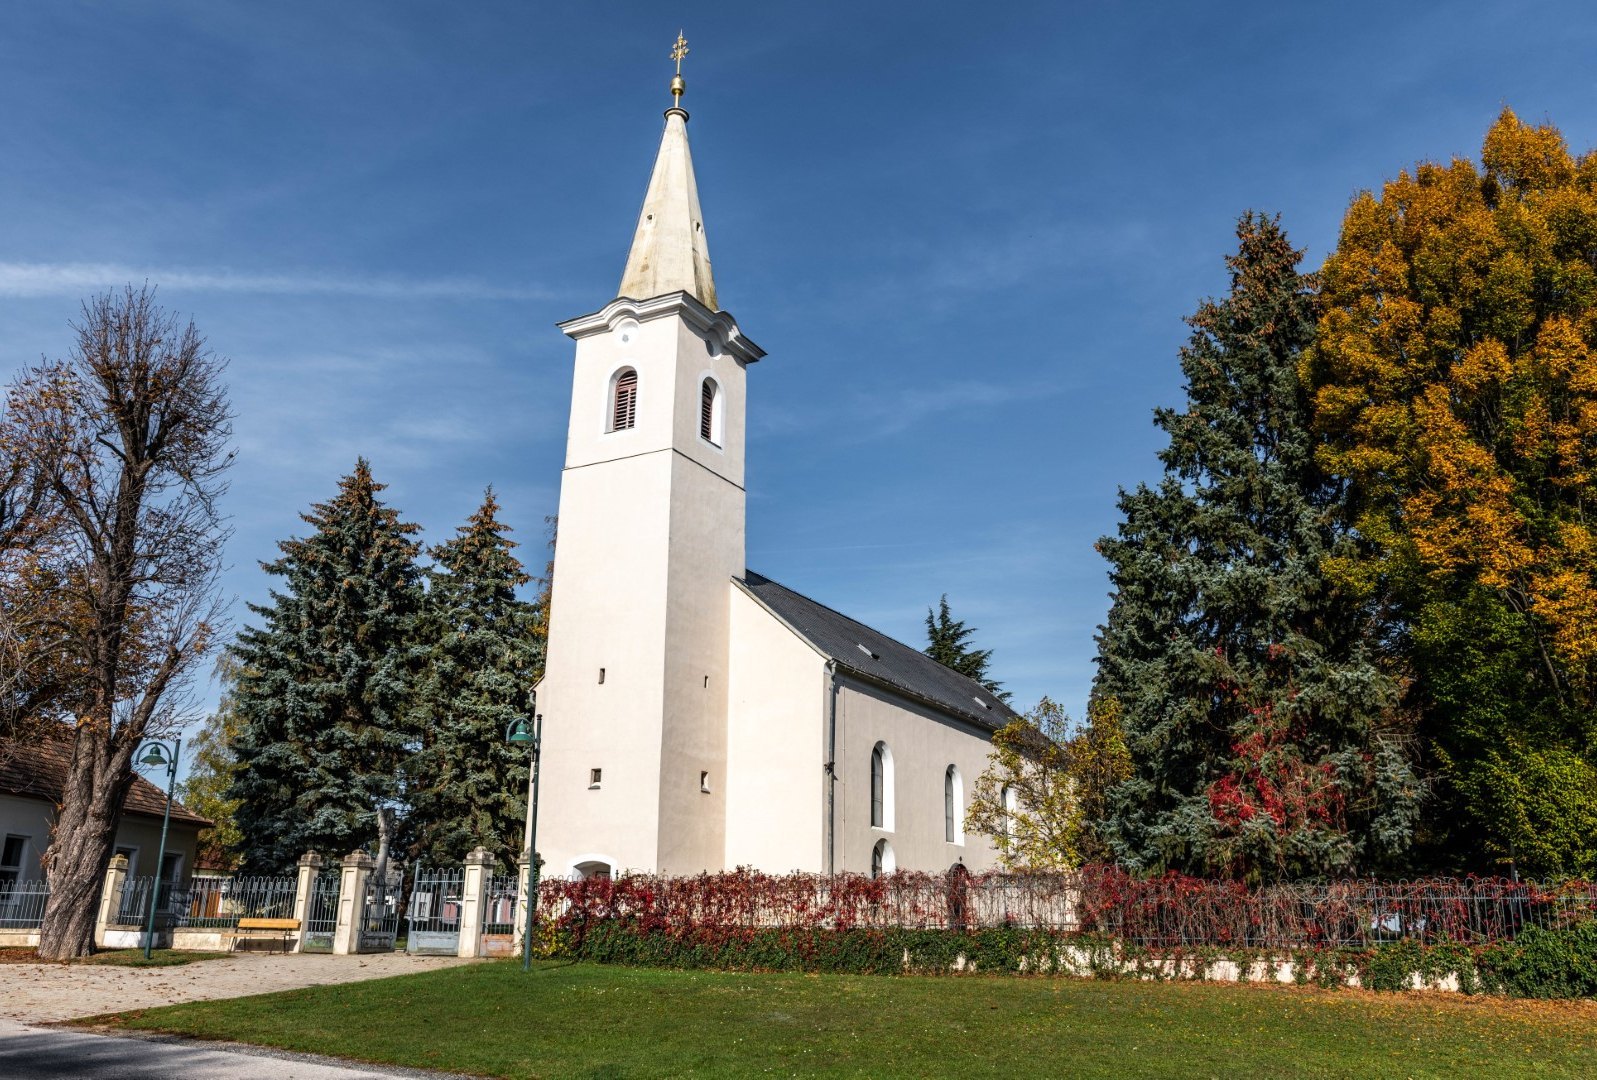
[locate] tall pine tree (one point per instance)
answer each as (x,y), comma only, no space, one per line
(947,642)
(1266,742)
(485,650)
(324,683)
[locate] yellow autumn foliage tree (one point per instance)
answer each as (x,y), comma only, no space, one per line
(1454,380)
(1044,787)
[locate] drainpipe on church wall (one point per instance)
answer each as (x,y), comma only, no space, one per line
(831,767)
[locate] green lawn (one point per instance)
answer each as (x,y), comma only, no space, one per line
(587,1020)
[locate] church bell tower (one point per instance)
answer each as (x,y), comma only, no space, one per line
(634,696)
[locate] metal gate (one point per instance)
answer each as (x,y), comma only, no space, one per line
(433,919)
(500,892)
(379,924)
(321,916)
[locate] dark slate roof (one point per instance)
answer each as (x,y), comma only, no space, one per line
(883,660)
(36,765)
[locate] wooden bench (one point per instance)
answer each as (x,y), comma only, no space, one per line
(252,929)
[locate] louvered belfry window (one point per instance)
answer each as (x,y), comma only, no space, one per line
(707,395)
(625,413)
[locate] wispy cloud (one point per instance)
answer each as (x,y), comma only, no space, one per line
(22,279)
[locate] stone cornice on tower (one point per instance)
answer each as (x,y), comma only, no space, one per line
(669,250)
(706,321)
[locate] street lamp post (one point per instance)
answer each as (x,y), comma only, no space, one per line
(518,735)
(157,755)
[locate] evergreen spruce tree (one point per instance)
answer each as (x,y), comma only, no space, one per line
(485,650)
(947,642)
(324,683)
(1265,740)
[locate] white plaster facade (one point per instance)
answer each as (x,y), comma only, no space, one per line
(690,724)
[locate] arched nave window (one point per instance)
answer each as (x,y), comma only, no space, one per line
(953,806)
(624,400)
(1011,804)
(882,859)
(710,410)
(881,787)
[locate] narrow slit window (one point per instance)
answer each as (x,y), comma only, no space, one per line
(953,806)
(601,675)
(704,782)
(595,777)
(882,787)
(624,411)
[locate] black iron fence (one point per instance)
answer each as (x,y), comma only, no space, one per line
(171,902)
(22,904)
(222,902)
(1357,913)
(1172,911)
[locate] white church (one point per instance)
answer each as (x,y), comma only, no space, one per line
(698,715)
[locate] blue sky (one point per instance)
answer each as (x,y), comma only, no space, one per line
(966,236)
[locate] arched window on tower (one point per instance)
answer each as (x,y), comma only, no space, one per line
(624,400)
(881,787)
(953,806)
(710,412)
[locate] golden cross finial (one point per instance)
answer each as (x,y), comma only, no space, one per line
(678,51)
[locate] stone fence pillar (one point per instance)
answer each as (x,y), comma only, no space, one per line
(116,876)
(523,866)
(474,894)
(355,871)
(310,865)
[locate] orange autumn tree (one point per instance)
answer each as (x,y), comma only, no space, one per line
(1455,386)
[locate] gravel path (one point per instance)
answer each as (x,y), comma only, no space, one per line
(44,993)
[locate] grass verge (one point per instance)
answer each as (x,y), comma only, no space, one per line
(587,1020)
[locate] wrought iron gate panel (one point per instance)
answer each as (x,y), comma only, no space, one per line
(379,924)
(500,893)
(433,918)
(322,915)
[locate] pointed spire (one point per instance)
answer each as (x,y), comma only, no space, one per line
(669,250)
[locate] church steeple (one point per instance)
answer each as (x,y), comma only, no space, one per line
(669,250)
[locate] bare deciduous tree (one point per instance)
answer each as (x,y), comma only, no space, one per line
(130,436)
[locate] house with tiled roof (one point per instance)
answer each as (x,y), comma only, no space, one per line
(697,715)
(33,773)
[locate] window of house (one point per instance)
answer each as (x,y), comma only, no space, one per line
(704,782)
(882,859)
(132,854)
(953,806)
(624,400)
(710,412)
(595,777)
(881,787)
(11,856)
(172,866)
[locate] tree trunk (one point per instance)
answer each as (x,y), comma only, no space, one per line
(81,844)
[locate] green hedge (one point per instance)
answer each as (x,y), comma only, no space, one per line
(1539,963)
(1544,963)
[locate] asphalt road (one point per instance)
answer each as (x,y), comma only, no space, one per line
(48,1053)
